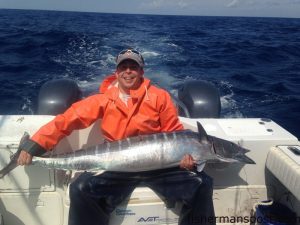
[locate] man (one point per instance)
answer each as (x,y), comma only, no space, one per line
(128,106)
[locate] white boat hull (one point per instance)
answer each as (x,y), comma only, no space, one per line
(36,196)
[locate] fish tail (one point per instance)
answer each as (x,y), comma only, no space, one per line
(13,159)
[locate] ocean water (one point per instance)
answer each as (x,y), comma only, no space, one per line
(254,62)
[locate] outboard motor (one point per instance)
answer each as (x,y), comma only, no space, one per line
(56,96)
(201,98)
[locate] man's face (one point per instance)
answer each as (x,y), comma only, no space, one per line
(129,75)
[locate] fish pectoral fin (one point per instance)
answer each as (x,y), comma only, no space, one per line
(200,165)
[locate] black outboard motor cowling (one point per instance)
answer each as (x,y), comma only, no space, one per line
(56,96)
(201,98)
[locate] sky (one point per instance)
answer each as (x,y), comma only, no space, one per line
(260,8)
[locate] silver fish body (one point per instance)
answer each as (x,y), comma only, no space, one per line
(135,154)
(147,152)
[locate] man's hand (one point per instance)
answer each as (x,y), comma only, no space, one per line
(24,158)
(187,162)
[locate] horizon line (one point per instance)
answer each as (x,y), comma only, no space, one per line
(149,14)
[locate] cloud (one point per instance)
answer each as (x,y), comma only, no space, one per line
(297,2)
(183,3)
(156,3)
(233,3)
(244,3)
(261,3)
(165,4)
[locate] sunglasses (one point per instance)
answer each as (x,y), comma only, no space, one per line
(131,51)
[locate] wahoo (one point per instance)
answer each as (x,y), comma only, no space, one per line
(143,153)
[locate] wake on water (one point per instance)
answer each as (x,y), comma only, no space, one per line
(255,70)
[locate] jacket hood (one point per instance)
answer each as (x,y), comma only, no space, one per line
(107,83)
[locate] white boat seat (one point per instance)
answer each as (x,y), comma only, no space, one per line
(285,166)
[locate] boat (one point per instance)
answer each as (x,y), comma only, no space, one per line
(32,195)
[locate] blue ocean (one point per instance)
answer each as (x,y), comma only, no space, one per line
(254,62)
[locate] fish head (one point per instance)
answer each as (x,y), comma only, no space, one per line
(225,150)
(228,151)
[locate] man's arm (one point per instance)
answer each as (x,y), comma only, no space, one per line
(168,114)
(187,162)
(24,158)
(80,115)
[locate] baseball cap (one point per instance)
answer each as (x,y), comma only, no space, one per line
(130,54)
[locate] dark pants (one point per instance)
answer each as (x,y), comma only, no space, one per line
(93,198)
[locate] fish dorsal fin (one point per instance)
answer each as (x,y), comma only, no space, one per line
(201,132)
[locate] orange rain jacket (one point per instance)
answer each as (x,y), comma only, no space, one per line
(150,110)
